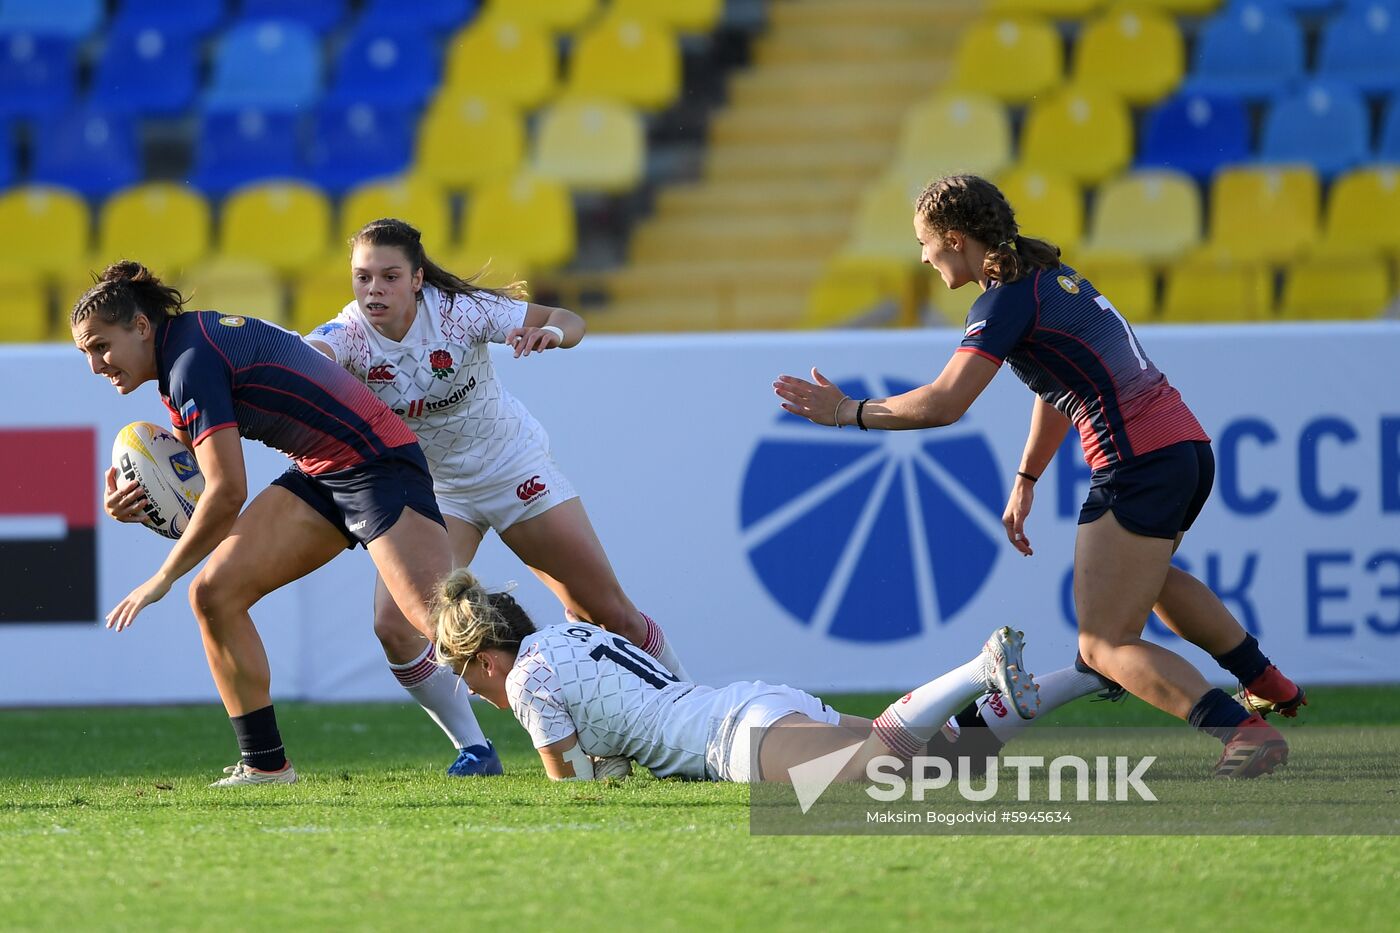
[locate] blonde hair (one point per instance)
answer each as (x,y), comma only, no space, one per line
(468,620)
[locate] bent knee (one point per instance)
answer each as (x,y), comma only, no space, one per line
(214,594)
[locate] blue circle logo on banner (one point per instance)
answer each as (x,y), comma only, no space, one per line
(872,536)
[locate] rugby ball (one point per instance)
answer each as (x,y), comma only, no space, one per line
(150,455)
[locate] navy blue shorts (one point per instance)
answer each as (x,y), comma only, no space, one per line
(365,501)
(1158,494)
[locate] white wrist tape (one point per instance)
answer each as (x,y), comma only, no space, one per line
(556,331)
(583,765)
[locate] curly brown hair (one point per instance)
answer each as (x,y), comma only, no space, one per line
(125,289)
(976,208)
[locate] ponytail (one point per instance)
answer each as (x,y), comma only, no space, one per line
(125,289)
(390,231)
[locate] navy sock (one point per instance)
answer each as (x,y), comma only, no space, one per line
(1216,713)
(1245,661)
(258,739)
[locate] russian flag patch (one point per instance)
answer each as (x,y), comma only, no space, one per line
(975,328)
(188,412)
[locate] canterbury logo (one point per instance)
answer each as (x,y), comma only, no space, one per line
(530,489)
(380,373)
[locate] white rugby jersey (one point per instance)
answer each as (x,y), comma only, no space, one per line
(577,678)
(440,380)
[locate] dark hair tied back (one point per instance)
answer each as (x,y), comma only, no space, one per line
(125,289)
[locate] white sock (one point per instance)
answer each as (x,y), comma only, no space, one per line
(658,647)
(908,724)
(1056,689)
(442,695)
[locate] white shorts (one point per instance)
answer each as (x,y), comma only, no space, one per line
(730,756)
(530,485)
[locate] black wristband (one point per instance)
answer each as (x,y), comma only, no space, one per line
(860,415)
(1024,475)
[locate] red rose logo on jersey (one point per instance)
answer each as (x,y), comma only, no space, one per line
(531,489)
(441,362)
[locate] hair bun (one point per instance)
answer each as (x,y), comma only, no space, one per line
(126,270)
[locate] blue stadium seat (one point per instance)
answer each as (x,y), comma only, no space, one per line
(356,142)
(1362,45)
(1253,50)
(386,67)
(235,147)
(146,72)
(192,19)
(1388,150)
(320,16)
(1325,123)
(86,150)
(429,14)
(1196,134)
(270,63)
(37,75)
(68,19)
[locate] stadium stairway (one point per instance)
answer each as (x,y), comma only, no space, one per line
(785,162)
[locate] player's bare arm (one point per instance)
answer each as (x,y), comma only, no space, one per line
(546,328)
(565,761)
(1047,432)
(940,403)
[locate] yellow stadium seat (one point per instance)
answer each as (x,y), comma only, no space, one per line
(1055,9)
(857,290)
(680,15)
(531,219)
(319,293)
(1048,206)
(416,201)
(1150,215)
(1011,58)
(1201,290)
(235,286)
(884,222)
(48,228)
(954,133)
(1363,213)
(488,269)
(1086,134)
(1134,52)
(504,59)
(626,59)
(1329,288)
(163,225)
(284,224)
(1262,214)
(469,139)
(24,308)
(591,145)
(556,15)
(1131,286)
(1181,7)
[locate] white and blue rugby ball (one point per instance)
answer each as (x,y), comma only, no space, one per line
(150,455)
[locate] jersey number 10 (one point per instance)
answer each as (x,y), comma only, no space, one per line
(624,654)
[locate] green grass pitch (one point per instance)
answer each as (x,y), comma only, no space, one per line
(106,824)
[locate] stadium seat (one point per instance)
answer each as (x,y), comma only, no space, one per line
(67,19)
(165,226)
(1085,134)
(553,15)
(1135,53)
(319,292)
(8,156)
(883,228)
(1053,9)
(1202,291)
(953,132)
(1361,46)
(235,286)
(487,268)
(450,151)
(56,228)
(267,64)
(1263,214)
(1182,8)
(353,143)
(1148,215)
(91,152)
(1335,289)
(189,19)
(435,15)
(146,72)
(1363,214)
(1196,134)
(854,290)
(1324,123)
(387,68)
(1250,50)
(237,147)
(1388,149)
(419,202)
(286,225)
(531,219)
(1048,205)
(504,59)
(1129,285)
(37,75)
(320,16)
(24,307)
(1013,59)
(597,146)
(629,60)
(692,16)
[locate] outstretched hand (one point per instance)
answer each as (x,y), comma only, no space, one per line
(527,340)
(816,401)
(1018,509)
(138,599)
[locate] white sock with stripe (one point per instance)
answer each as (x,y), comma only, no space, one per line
(443,695)
(909,723)
(658,647)
(1056,689)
